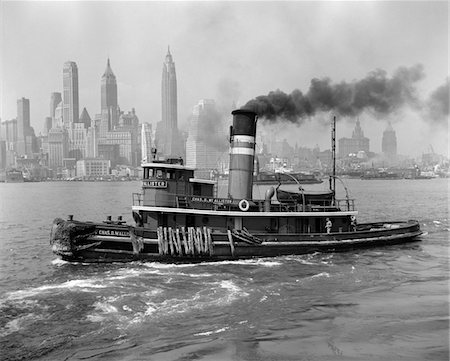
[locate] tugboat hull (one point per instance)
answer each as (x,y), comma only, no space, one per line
(98,242)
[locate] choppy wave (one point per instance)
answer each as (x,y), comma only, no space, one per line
(207,333)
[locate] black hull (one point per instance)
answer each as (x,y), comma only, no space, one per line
(114,243)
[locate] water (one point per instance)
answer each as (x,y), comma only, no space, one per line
(378,304)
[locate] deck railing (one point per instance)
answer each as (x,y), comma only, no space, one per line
(215,203)
(138,199)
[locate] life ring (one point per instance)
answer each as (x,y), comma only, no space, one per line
(244,205)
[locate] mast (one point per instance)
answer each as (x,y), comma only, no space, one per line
(333,156)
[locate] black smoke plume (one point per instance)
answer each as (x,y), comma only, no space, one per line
(376,92)
(438,103)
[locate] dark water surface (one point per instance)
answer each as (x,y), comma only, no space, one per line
(379,304)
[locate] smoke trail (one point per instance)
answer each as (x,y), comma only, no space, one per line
(438,102)
(213,131)
(376,92)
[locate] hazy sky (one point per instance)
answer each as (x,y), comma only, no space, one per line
(228,51)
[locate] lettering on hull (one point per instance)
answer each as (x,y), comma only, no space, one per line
(154,184)
(112,232)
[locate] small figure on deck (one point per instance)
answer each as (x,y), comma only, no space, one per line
(353,223)
(328,225)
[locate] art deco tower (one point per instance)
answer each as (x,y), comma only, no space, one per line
(70,94)
(109,107)
(109,88)
(389,142)
(169,143)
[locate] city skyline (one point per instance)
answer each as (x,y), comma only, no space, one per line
(284,48)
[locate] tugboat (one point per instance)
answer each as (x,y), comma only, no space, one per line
(179,218)
(14,176)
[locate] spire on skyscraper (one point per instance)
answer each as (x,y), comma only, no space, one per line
(108,71)
(168,55)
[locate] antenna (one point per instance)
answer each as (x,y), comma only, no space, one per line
(333,156)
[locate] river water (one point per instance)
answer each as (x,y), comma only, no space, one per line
(387,303)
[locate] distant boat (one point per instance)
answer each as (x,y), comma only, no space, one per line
(381,174)
(285,178)
(14,176)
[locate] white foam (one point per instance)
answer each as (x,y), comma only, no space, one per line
(17,324)
(158,265)
(95,318)
(322,274)
(105,307)
(249,262)
(59,262)
(207,333)
(150,310)
(84,285)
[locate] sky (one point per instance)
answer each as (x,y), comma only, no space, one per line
(233,52)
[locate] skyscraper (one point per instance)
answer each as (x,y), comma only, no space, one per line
(389,142)
(146,142)
(70,94)
(108,88)
(109,106)
(23,124)
(358,142)
(168,137)
(206,141)
(23,116)
(55,99)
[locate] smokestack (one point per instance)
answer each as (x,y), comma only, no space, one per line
(242,154)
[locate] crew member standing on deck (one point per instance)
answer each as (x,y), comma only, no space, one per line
(328,225)
(353,223)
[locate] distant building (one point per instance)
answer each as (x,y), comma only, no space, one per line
(91,142)
(389,142)
(70,93)
(358,142)
(23,125)
(9,131)
(48,123)
(77,140)
(57,147)
(146,142)
(110,152)
(124,140)
(55,99)
(167,135)
(85,118)
(3,163)
(93,167)
(57,121)
(202,150)
(109,103)
(130,122)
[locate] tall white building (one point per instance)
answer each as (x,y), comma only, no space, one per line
(146,142)
(70,93)
(202,149)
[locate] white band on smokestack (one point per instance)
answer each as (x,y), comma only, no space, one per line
(241,150)
(243,138)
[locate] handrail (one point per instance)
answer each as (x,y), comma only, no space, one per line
(227,203)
